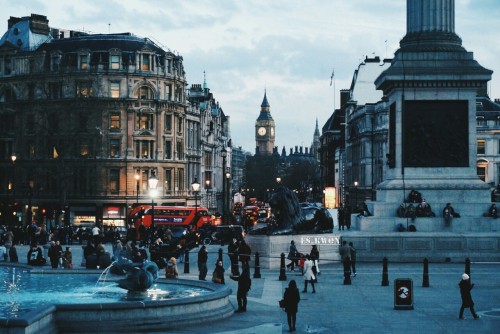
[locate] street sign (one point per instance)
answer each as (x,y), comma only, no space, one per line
(403,294)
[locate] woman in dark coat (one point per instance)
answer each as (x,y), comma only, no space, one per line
(467,302)
(218,274)
(291,298)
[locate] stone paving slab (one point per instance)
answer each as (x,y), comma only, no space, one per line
(365,306)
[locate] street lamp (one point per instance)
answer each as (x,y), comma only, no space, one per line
(356,194)
(152,183)
(278,180)
(195,186)
(223,153)
(137,177)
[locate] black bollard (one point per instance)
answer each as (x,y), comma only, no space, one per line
(256,273)
(220,256)
(467,266)
(425,281)
(347,271)
(385,274)
(186,262)
(282,268)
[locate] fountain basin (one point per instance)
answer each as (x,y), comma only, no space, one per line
(126,316)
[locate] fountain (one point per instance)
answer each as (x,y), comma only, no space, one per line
(42,301)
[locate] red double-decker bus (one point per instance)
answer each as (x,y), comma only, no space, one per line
(173,216)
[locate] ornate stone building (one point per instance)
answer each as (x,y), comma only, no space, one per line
(89,119)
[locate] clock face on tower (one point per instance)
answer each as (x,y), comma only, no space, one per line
(262,131)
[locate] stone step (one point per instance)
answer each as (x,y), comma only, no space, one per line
(437,224)
(475,210)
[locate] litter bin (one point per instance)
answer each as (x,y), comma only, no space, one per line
(403,294)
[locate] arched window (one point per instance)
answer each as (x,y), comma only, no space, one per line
(7,95)
(144,93)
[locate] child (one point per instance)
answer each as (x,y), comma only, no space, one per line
(67,259)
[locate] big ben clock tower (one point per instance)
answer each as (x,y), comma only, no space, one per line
(264,129)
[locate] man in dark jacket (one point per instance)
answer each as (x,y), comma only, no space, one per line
(467,302)
(244,252)
(202,263)
(244,285)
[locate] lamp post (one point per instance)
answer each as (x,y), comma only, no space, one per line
(137,177)
(29,214)
(152,183)
(195,186)
(223,153)
(208,189)
(278,180)
(356,194)
(13,158)
(228,209)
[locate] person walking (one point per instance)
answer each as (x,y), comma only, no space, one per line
(244,285)
(202,263)
(293,256)
(467,302)
(315,259)
(67,259)
(291,298)
(353,258)
(308,274)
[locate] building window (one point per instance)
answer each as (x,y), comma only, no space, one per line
(30,124)
(180,180)
(114,148)
(82,122)
(144,121)
(480,121)
(481,172)
(179,124)
(31,150)
(145,62)
(115,90)
(168,92)
(115,62)
(55,60)
(84,150)
(114,121)
(481,147)
(180,151)
(168,149)
(7,66)
(168,123)
(84,60)
(84,89)
(144,93)
(168,181)
(114,181)
(144,149)
(53,123)
(55,90)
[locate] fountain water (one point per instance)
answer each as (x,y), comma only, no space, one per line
(68,301)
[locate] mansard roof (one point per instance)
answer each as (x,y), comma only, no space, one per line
(102,42)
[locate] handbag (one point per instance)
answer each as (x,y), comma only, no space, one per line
(282,303)
(216,279)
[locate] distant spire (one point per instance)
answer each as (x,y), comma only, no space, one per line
(264,101)
(204,80)
(316,131)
